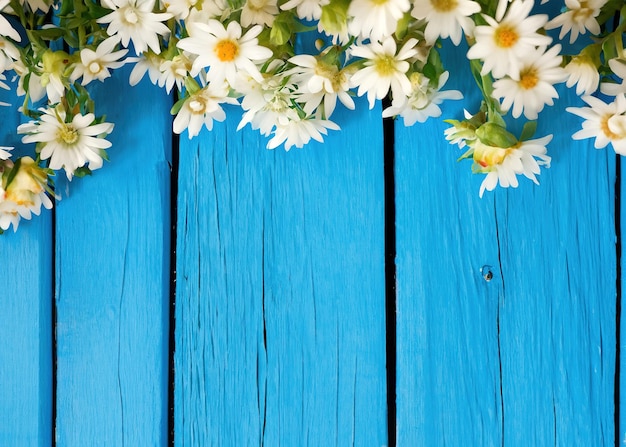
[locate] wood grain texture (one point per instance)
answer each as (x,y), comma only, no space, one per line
(113,280)
(280,333)
(527,358)
(26,318)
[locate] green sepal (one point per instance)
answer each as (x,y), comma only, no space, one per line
(494,135)
(178,105)
(528,131)
(82,172)
(13,172)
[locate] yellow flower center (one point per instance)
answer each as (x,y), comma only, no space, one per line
(226,50)
(68,134)
(506,36)
(490,156)
(528,79)
(94,67)
(197,106)
(444,5)
(379,2)
(604,125)
(385,65)
(130,16)
(257,5)
(580,15)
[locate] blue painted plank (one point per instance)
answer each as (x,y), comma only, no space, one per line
(26,318)
(112,260)
(280,312)
(557,305)
(527,358)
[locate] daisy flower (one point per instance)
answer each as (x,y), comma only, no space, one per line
(69,142)
(96,64)
(41,5)
(147,62)
(202,108)
(603,122)
(376,19)
(28,187)
(580,16)
(424,100)
(534,87)
(8,53)
(267,103)
(4,152)
(446,18)
(319,81)
(503,165)
(53,67)
(174,72)
(298,132)
(306,9)
(583,73)
(619,69)
(6,29)
(224,50)
(179,9)
(133,20)
(501,45)
(259,12)
(383,69)
(34,87)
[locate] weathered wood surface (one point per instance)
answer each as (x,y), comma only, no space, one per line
(280,305)
(280,295)
(527,358)
(25,320)
(112,281)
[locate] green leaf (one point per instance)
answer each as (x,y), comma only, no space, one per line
(528,131)
(495,135)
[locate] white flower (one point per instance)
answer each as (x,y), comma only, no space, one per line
(298,132)
(533,88)
(96,64)
(69,144)
(8,53)
(6,29)
(147,62)
(582,71)
(174,72)
(259,12)
(504,165)
(319,81)
(4,152)
(376,19)
(618,67)
(24,195)
(34,5)
(501,45)
(179,9)
(224,50)
(267,103)
(306,9)
(34,88)
(133,20)
(602,122)
(579,17)
(202,108)
(446,18)
(383,69)
(424,100)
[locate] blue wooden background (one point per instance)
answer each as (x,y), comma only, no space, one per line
(282,332)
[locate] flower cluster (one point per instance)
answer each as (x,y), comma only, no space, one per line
(287,64)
